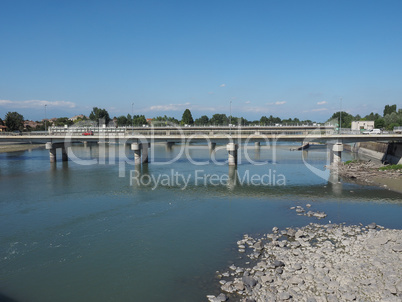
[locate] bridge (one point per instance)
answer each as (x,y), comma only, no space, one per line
(141,137)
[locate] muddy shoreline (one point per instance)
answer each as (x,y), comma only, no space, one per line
(4,148)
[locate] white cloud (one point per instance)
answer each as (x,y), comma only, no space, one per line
(319,109)
(280,103)
(321,103)
(222,85)
(247,102)
(34,104)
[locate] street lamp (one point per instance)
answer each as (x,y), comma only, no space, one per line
(45,119)
(340,118)
(230,119)
(132,115)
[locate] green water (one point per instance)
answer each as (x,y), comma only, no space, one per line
(71,232)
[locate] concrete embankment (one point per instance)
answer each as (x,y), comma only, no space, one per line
(332,262)
(385,152)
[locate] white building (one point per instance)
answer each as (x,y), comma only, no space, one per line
(362,125)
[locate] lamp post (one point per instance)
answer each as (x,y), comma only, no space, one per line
(340,118)
(45,119)
(230,118)
(132,115)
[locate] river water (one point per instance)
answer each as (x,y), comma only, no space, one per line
(102,231)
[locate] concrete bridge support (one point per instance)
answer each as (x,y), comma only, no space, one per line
(145,148)
(140,152)
(52,147)
(212,146)
(337,153)
(232,152)
(136,147)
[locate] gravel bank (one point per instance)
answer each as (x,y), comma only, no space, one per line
(317,263)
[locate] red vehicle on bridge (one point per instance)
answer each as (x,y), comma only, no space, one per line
(88,133)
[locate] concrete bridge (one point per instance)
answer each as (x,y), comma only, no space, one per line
(140,138)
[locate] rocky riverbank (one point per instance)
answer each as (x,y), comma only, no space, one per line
(332,262)
(368,173)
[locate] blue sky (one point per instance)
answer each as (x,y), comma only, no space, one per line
(285,58)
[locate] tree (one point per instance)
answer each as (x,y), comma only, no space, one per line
(1,122)
(165,120)
(61,121)
(14,121)
(139,120)
(346,119)
(379,123)
(202,121)
(187,118)
(123,121)
(219,120)
(98,114)
(388,109)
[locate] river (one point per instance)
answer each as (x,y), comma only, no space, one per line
(106,231)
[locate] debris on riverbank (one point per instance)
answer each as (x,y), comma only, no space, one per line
(332,262)
(369,173)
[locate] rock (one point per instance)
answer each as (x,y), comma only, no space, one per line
(222,297)
(249,281)
(284,296)
(278,263)
(311,299)
(397,248)
(308,205)
(239,285)
(275,230)
(372,226)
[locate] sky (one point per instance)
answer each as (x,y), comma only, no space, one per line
(301,58)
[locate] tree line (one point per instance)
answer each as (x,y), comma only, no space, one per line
(391,118)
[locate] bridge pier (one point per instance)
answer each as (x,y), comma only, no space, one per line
(52,147)
(140,152)
(211,146)
(337,153)
(232,153)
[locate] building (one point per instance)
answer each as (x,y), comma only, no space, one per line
(362,125)
(3,128)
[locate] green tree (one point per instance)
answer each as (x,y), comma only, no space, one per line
(61,121)
(219,120)
(98,114)
(139,120)
(14,121)
(346,119)
(379,123)
(388,109)
(187,118)
(123,121)
(1,122)
(202,121)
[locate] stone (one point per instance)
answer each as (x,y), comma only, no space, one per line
(278,263)
(372,226)
(249,281)
(221,298)
(397,248)
(284,296)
